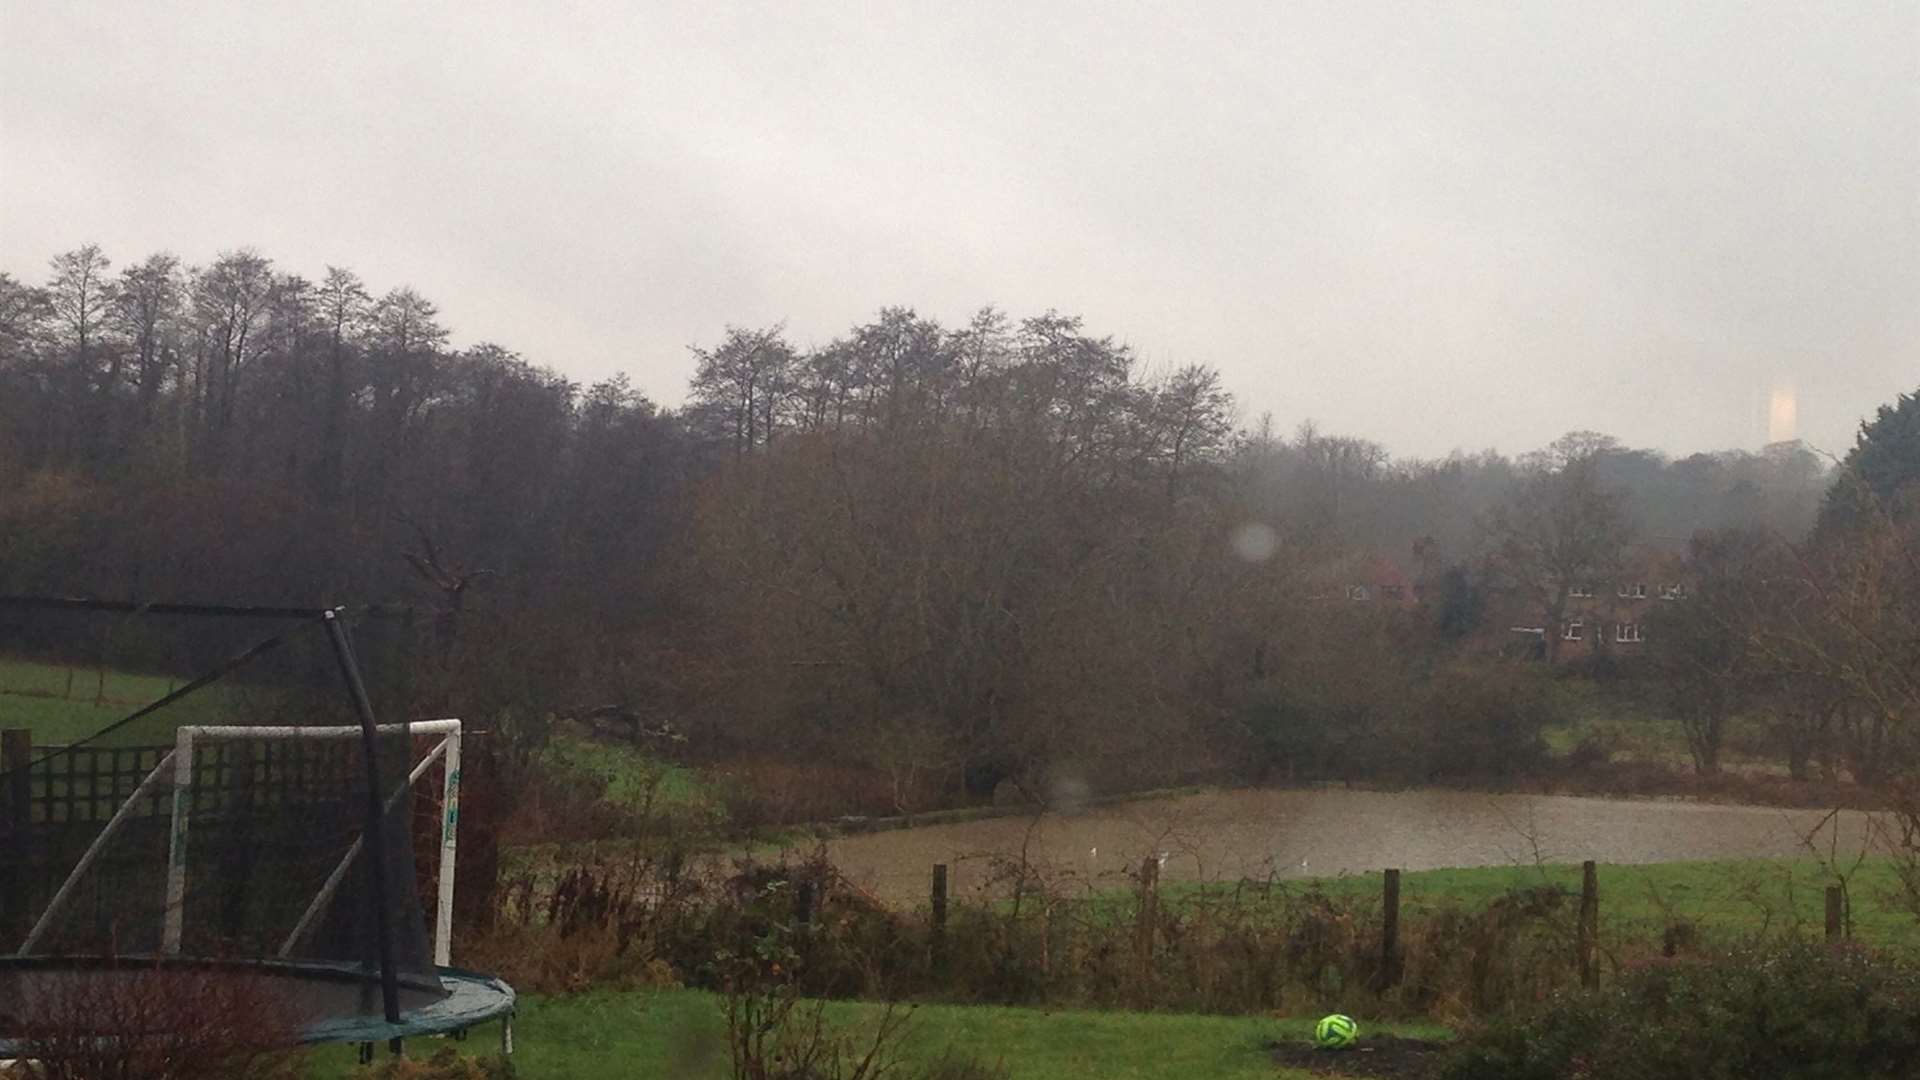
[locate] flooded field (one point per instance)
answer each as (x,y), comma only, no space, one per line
(1229,835)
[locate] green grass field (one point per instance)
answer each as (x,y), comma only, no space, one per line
(1725,898)
(1627,733)
(62,704)
(632,776)
(680,1033)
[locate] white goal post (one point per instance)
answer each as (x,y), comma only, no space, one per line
(179,762)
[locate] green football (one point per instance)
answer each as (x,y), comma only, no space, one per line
(1336,1032)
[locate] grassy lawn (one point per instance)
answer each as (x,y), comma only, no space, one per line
(631,775)
(53,720)
(41,697)
(81,684)
(62,704)
(1628,733)
(679,1033)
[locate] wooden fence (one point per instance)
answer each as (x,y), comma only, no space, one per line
(55,800)
(1391,969)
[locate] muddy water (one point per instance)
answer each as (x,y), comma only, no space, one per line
(1311,833)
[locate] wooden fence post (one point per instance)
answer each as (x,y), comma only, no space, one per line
(803,903)
(1390,931)
(937,932)
(16,829)
(1836,913)
(1149,902)
(1589,928)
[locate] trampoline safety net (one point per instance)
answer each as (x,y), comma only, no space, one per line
(143,816)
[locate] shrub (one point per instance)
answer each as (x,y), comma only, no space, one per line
(1333,728)
(1793,1011)
(1485,721)
(762,793)
(775,1033)
(611,920)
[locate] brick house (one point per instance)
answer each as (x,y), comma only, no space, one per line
(1601,617)
(1370,578)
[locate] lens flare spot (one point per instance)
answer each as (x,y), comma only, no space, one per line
(1254,542)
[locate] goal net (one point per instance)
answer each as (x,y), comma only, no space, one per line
(205,783)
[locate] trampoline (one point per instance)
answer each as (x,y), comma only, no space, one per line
(335,1004)
(233,832)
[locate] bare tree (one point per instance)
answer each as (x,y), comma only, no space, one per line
(404,343)
(1705,668)
(343,302)
(230,301)
(1560,528)
(744,384)
(1190,416)
(150,299)
(81,296)
(26,427)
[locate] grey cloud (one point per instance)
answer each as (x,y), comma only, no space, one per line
(1454,226)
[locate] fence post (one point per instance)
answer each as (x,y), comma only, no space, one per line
(1836,913)
(16,825)
(937,930)
(1149,902)
(803,903)
(1589,923)
(1390,931)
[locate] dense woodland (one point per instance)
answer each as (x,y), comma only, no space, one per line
(947,555)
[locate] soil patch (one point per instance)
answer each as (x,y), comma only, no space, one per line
(1387,1056)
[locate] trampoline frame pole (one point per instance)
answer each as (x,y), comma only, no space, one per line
(375,849)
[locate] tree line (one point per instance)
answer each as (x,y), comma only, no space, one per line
(1004,550)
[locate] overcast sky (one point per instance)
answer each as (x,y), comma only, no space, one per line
(1472,225)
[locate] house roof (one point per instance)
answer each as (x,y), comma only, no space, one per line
(1369,568)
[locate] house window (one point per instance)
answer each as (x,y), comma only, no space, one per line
(1673,592)
(1634,591)
(1626,631)
(1392,592)
(1356,592)
(1575,631)
(1580,590)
